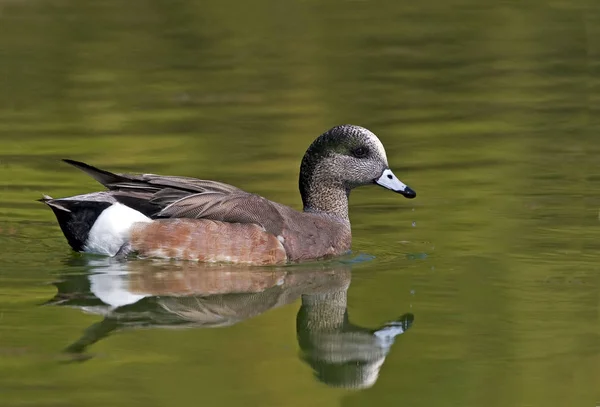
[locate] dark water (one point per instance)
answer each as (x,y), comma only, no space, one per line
(482,291)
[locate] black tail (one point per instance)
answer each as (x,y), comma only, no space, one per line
(106,178)
(77,216)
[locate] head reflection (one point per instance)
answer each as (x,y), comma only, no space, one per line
(139,294)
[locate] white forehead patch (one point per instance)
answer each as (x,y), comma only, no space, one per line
(377,144)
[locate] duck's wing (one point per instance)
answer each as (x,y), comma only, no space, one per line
(152,183)
(234,207)
(150,193)
(160,196)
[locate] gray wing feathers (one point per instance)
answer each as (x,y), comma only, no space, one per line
(236,208)
(187,183)
(150,182)
(186,197)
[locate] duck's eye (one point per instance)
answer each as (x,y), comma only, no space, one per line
(360,152)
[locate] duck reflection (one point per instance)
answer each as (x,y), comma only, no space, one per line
(138,294)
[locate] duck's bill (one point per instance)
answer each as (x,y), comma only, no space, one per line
(388,180)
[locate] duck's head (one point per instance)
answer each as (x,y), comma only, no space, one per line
(346,157)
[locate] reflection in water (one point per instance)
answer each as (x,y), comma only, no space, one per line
(342,354)
(170,294)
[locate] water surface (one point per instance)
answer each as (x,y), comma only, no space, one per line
(482,291)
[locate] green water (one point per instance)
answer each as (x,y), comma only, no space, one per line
(489,110)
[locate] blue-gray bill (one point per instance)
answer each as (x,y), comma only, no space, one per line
(388,180)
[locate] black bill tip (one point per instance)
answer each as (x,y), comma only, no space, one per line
(408,193)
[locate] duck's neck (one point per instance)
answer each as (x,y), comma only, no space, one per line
(325,198)
(322,190)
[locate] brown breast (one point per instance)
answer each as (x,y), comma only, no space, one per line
(310,236)
(207,240)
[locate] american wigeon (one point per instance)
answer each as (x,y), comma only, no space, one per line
(192,219)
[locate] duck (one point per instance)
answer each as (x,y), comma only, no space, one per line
(184,218)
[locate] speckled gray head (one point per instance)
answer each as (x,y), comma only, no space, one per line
(346,157)
(351,156)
